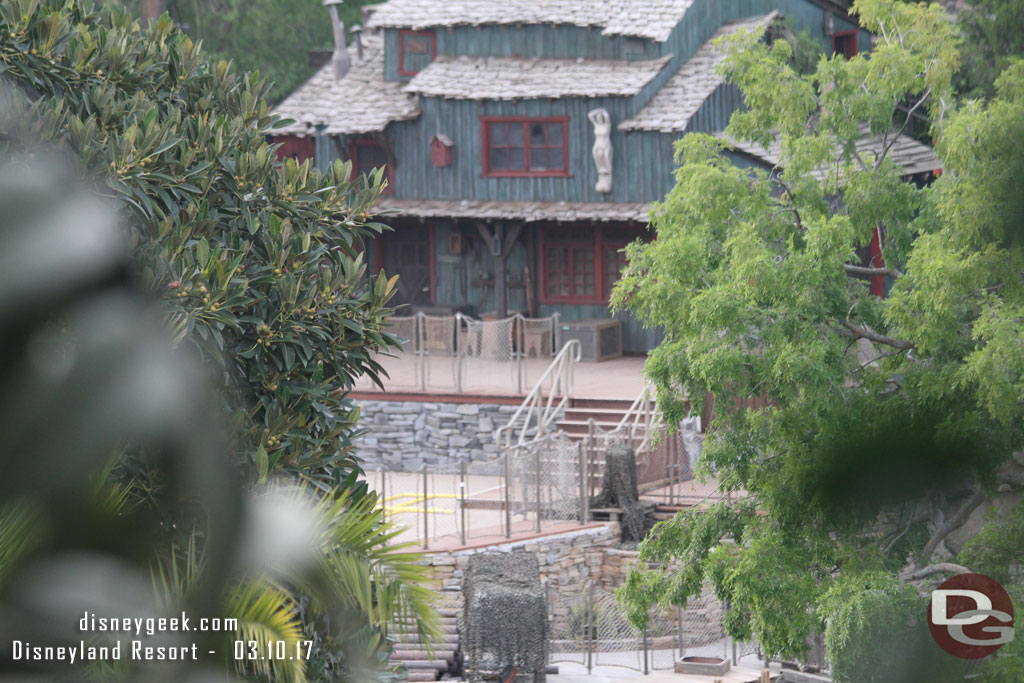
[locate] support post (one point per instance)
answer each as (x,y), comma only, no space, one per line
(383,494)
(426,511)
(500,273)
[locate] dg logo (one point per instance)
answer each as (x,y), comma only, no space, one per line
(970,616)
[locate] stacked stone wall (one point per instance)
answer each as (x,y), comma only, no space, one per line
(405,435)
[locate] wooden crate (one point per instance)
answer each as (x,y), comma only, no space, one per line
(600,339)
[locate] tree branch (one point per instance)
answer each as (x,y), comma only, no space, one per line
(865,270)
(936,569)
(849,329)
(952,525)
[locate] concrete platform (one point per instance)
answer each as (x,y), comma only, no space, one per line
(576,673)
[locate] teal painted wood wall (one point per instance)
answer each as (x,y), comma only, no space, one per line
(643,160)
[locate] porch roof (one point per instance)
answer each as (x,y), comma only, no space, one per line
(912,156)
(524,211)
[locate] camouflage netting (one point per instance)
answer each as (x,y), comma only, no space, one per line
(504,629)
(619,489)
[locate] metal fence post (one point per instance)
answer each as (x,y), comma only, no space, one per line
(592,439)
(591,628)
(458,352)
(647,669)
(426,511)
(462,496)
(508,492)
(538,485)
(421,349)
(584,500)
(679,631)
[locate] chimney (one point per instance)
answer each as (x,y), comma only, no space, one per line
(341,59)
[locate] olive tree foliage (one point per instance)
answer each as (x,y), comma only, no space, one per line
(258,263)
(879,423)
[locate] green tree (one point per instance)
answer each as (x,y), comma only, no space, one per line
(259,263)
(256,267)
(273,37)
(881,423)
(991,40)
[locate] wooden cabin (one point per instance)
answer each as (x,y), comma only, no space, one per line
(526,140)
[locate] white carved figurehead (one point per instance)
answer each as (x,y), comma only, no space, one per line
(602,123)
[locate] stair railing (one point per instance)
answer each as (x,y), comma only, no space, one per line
(539,409)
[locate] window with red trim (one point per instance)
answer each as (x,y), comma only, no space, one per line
(845,43)
(581,265)
(416,49)
(525,146)
(367,155)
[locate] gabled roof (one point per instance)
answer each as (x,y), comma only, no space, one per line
(912,156)
(670,110)
(652,19)
(512,78)
(361,102)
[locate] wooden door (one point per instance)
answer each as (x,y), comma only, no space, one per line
(406,252)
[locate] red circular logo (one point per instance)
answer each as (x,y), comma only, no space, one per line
(970,616)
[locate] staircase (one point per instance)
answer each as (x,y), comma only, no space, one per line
(607,413)
(446,657)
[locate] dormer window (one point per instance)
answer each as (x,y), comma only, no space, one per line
(416,49)
(516,146)
(368,154)
(844,43)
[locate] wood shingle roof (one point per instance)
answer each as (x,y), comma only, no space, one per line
(670,110)
(652,19)
(512,78)
(362,102)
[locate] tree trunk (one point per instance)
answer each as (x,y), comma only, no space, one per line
(152,9)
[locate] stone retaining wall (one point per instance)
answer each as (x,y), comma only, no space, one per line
(568,562)
(405,435)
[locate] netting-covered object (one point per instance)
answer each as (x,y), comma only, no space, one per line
(504,628)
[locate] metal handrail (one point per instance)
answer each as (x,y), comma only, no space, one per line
(535,406)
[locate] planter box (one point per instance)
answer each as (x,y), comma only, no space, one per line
(702,666)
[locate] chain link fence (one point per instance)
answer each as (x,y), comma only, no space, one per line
(456,353)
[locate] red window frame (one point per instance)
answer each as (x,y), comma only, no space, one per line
(402,34)
(599,243)
(851,45)
(353,155)
(485,129)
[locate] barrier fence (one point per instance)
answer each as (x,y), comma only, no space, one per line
(455,353)
(589,627)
